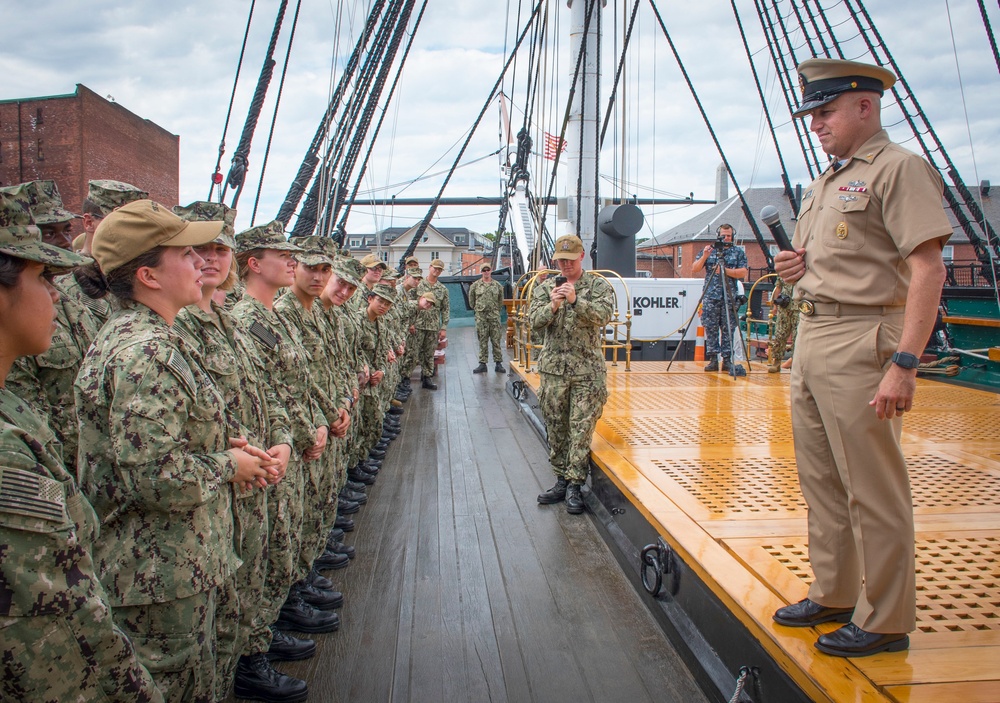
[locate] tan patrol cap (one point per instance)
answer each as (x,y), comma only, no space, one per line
(824,80)
(430,296)
(568,246)
(486,267)
(437,263)
(372,261)
(142,225)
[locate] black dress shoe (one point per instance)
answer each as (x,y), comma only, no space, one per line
(319,580)
(321,599)
(353,496)
(556,494)
(807,613)
(298,615)
(257,680)
(481,368)
(331,560)
(285,648)
(852,641)
(347,507)
(345,523)
(574,499)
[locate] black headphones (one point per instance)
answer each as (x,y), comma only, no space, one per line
(725,225)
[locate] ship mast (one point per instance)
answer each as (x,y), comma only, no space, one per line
(582,128)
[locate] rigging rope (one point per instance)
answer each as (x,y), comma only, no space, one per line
(989,32)
(217,173)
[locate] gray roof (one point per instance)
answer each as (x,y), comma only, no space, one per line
(702,227)
(391,234)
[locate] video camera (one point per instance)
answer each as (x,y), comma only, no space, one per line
(720,243)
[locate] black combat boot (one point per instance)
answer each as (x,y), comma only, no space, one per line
(346,507)
(319,598)
(331,560)
(425,382)
(285,648)
(319,580)
(481,368)
(343,522)
(299,616)
(341,548)
(574,499)
(500,368)
(377,453)
(556,494)
(360,475)
(713,365)
(257,680)
(348,494)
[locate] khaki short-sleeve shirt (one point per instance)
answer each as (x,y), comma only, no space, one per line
(859,223)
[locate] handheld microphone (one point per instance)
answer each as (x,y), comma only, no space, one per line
(769,215)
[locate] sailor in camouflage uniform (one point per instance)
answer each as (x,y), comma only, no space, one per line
(486,300)
(103,197)
(375,343)
(158,451)
(231,358)
(46,380)
(59,640)
(786,322)
(266,264)
(432,324)
(572,370)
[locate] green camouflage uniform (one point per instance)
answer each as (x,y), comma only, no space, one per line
(572,370)
(154,460)
(786,322)
(374,343)
(319,498)
(431,322)
(287,372)
(486,299)
(234,364)
(46,380)
(59,640)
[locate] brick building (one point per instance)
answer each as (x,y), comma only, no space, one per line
(75,138)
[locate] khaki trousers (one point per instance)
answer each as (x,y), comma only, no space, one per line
(852,472)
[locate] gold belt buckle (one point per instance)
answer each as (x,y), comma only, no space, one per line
(806,307)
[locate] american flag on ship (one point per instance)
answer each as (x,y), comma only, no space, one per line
(554,146)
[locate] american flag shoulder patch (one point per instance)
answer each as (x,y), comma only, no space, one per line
(26,493)
(179,366)
(263,335)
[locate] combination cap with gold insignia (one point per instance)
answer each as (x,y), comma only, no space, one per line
(20,238)
(109,195)
(141,226)
(385,291)
(372,261)
(349,270)
(269,236)
(824,80)
(207,211)
(568,246)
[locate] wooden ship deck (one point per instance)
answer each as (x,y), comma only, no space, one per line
(464,589)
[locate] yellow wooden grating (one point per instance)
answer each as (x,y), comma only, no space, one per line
(958,426)
(693,399)
(939,395)
(666,380)
(958,581)
(726,430)
(738,486)
(770,485)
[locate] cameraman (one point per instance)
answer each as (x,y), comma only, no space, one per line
(733,263)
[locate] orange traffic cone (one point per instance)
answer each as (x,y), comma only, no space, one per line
(699,345)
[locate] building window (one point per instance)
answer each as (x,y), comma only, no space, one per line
(948,253)
(459,239)
(354,242)
(435,255)
(384,255)
(38,116)
(679,260)
(39,154)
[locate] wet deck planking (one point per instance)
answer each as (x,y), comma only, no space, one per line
(465,589)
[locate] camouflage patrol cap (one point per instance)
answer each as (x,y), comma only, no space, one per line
(390,274)
(22,239)
(207,211)
(429,295)
(109,195)
(415,272)
(45,203)
(437,263)
(269,236)
(568,246)
(313,250)
(349,270)
(386,291)
(372,261)
(142,225)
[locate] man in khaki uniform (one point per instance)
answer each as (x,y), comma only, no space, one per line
(868,272)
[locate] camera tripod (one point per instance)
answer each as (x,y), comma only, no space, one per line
(730,310)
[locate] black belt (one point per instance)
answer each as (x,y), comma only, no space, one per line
(809,308)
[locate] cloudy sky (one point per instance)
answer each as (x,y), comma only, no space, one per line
(174,63)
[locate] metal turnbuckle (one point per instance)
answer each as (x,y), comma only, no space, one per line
(657,562)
